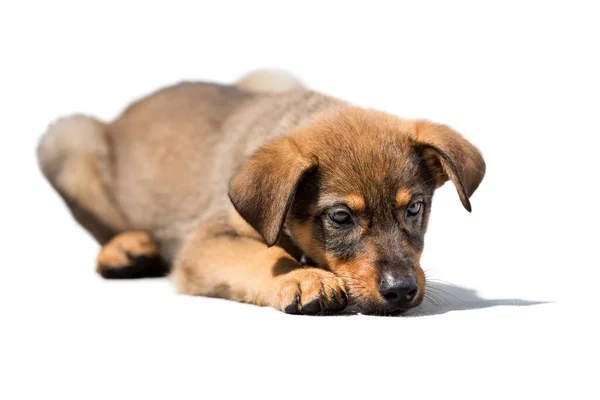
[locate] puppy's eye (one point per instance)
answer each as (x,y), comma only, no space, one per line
(342,218)
(414,209)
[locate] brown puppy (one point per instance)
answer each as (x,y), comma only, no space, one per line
(265,193)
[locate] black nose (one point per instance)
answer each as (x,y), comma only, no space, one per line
(398,292)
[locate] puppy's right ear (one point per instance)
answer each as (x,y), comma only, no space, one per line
(264,189)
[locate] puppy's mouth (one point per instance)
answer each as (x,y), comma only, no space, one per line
(372,295)
(372,307)
(368,301)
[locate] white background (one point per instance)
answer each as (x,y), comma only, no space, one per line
(520,80)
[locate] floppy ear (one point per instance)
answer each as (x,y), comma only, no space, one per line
(264,189)
(450,156)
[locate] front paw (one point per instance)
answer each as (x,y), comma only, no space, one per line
(310,291)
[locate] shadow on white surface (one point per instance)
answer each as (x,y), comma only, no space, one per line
(441,298)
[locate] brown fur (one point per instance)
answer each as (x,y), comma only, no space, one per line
(403,197)
(168,164)
(355,201)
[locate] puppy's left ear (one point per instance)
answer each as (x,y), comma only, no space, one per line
(265,187)
(450,156)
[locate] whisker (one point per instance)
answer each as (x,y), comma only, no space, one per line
(437,289)
(438,300)
(435,292)
(431,300)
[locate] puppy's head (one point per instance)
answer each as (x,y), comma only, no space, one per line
(354,193)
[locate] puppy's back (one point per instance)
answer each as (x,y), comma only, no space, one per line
(175,150)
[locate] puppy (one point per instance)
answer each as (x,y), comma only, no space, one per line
(265,193)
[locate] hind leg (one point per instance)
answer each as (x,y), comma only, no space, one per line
(74,155)
(130,255)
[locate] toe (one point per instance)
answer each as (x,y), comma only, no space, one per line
(292,308)
(313,297)
(336,302)
(314,307)
(288,298)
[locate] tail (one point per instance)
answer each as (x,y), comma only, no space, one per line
(74,155)
(269,81)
